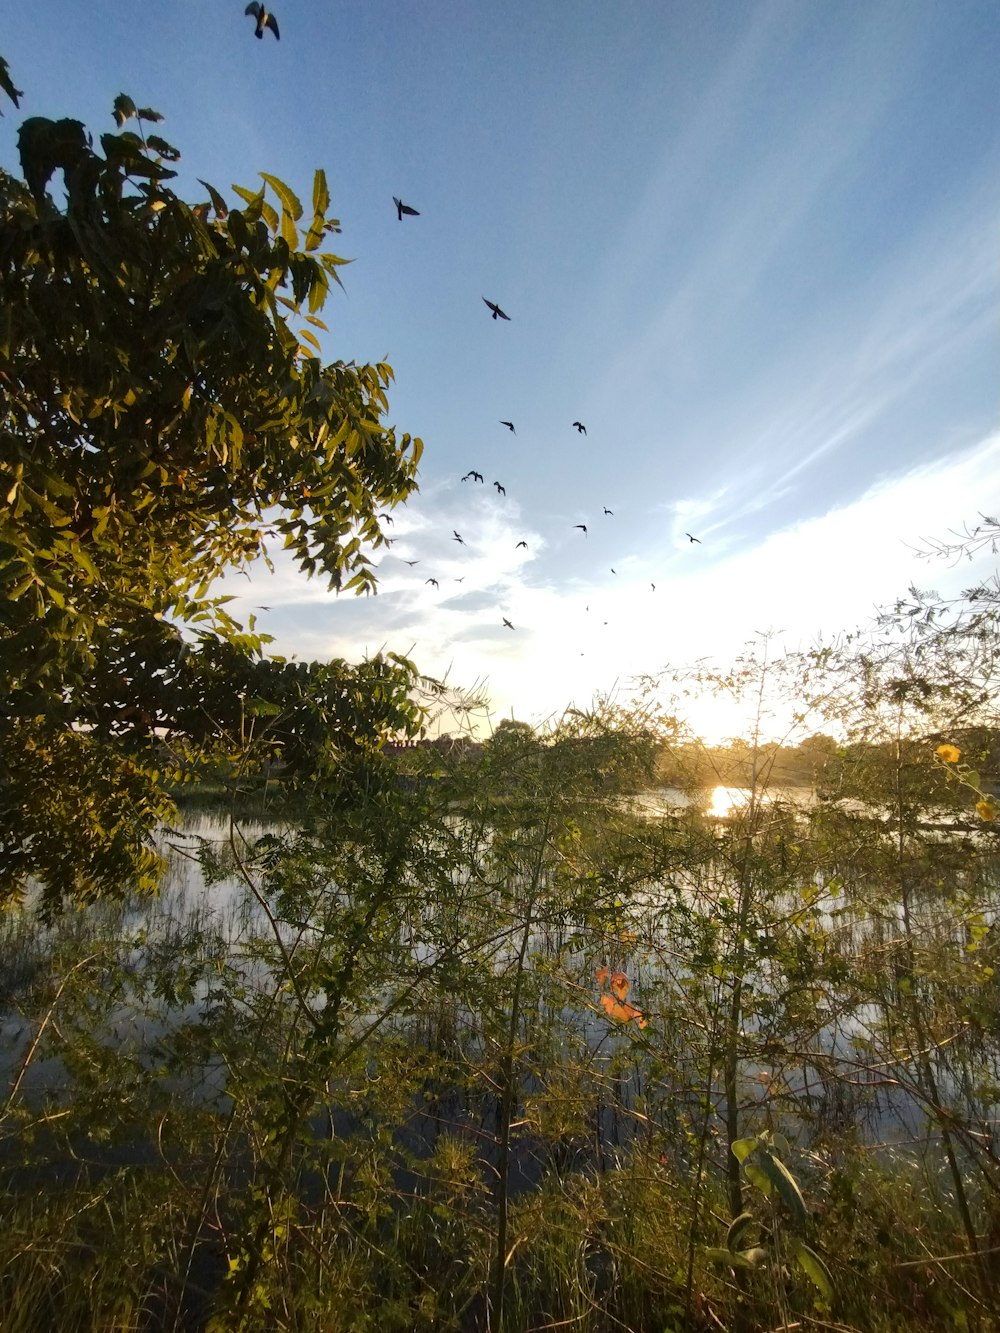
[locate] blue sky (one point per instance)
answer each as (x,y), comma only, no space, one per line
(752,246)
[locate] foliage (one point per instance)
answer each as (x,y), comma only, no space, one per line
(166,415)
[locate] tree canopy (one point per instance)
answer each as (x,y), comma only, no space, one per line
(166,415)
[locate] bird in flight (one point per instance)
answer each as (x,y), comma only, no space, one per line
(501,490)
(411,563)
(507,622)
(461,580)
(510,426)
(458,538)
(581,429)
(520,544)
(434,581)
(614,571)
(264,20)
(653,586)
(402,208)
(609,511)
(476,476)
(497,312)
(582,526)
(387,518)
(692,539)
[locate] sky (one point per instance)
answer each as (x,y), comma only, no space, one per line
(752,247)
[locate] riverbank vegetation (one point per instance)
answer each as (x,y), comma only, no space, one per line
(513,1031)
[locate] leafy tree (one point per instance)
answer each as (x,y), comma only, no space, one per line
(165,415)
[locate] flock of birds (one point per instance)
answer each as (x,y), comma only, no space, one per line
(265,19)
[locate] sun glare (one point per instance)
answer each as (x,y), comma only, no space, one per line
(727,800)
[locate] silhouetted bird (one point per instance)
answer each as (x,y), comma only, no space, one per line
(264,19)
(476,476)
(692,539)
(614,571)
(434,581)
(580,427)
(653,586)
(497,312)
(402,208)
(520,544)
(609,511)
(507,622)
(461,580)
(387,518)
(411,563)
(501,490)
(510,426)
(457,537)
(582,526)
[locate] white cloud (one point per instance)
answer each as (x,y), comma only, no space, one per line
(812,579)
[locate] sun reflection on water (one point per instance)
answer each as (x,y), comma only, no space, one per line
(728,800)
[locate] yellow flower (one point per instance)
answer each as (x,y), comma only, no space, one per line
(986,810)
(951,754)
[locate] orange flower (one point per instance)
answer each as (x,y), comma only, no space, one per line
(986,810)
(949,754)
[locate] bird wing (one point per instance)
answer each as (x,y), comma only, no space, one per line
(253,8)
(272,23)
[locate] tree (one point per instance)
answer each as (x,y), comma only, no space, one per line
(165,415)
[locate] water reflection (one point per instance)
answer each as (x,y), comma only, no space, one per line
(727,800)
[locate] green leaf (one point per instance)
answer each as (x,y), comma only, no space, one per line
(742,1148)
(784,1182)
(814,1268)
(759,1177)
(218,203)
(288,199)
(780,1144)
(738,1229)
(321,195)
(15,94)
(124,109)
(166,150)
(288,231)
(731,1258)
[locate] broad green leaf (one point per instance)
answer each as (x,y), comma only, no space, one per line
(288,199)
(784,1182)
(124,109)
(165,150)
(731,1258)
(738,1229)
(218,203)
(759,1177)
(781,1144)
(742,1148)
(814,1268)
